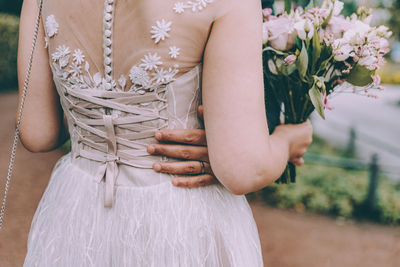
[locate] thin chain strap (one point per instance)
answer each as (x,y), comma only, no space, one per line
(16,135)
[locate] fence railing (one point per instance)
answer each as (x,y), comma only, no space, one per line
(373,166)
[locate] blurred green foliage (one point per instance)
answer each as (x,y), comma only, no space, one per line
(390,73)
(336,192)
(9,28)
(11,6)
(394,21)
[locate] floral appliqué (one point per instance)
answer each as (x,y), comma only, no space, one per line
(145,76)
(196,5)
(51,28)
(160,31)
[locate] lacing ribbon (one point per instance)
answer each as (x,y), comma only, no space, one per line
(104,143)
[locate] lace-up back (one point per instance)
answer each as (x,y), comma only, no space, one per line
(116,97)
(123,69)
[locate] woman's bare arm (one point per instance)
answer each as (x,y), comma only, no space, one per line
(42,127)
(242,155)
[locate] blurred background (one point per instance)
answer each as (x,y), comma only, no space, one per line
(344,209)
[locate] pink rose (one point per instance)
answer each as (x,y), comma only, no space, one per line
(337,26)
(281,33)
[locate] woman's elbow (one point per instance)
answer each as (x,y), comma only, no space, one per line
(243,183)
(38,143)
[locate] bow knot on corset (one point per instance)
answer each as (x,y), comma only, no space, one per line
(117,138)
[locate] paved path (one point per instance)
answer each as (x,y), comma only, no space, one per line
(376,121)
(288,238)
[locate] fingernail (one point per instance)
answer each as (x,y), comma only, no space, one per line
(157,167)
(158,135)
(151,149)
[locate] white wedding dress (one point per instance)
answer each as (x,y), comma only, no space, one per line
(124,69)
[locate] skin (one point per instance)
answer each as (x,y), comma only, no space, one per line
(190,145)
(231,83)
(42,125)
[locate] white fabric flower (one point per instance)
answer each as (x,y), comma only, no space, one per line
(199,5)
(78,56)
(51,26)
(160,31)
(160,76)
(61,51)
(139,76)
(150,61)
(174,51)
(180,7)
(170,75)
(75,69)
(122,81)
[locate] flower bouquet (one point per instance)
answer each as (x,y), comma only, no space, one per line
(309,52)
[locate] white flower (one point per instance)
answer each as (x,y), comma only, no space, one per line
(199,5)
(336,5)
(174,51)
(75,69)
(160,31)
(160,76)
(122,82)
(63,61)
(61,51)
(169,76)
(304,29)
(51,26)
(150,61)
(78,56)
(342,50)
(180,7)
(280,33)
(139,76)
(367,61)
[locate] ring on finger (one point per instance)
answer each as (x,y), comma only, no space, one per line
(203,169)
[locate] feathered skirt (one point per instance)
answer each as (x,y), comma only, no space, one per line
(158,225)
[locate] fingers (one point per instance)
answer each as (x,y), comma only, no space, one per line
(182,167)
(179,151)
(200,112)
(185,136)
(194,181)
(298,161)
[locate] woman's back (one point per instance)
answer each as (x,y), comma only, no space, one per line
(149,34)
(136,217)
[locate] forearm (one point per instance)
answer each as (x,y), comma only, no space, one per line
(251,164)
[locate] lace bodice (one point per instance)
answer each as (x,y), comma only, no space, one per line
(127,45)
(124,69)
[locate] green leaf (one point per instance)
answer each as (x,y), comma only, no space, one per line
(299,43)
(302,62)
(310,5)
(328,19)
(275,51)
(316,100)
(316,48)
(288,6)
(291,68)
(360,76)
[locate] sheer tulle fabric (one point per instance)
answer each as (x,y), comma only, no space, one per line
(159,225)
(151,222)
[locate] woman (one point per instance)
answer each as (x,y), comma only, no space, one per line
(120,71)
